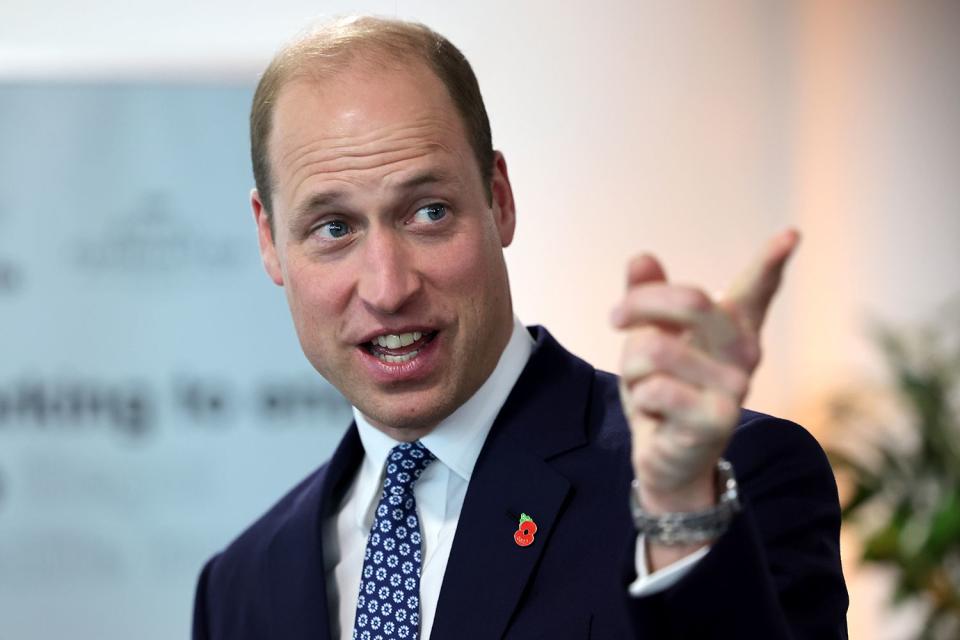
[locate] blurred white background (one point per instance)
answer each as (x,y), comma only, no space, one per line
(693,130)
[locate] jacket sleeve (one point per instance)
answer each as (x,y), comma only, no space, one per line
(775,574)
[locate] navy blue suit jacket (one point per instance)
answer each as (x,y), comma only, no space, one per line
(559,451)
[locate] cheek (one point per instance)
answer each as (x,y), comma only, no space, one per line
(470,266)
(315,297)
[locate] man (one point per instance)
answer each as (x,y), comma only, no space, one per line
(485,489)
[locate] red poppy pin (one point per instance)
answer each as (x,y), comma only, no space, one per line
(523,536)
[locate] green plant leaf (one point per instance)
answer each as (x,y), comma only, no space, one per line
(945,527)
(913,492)
(883,545)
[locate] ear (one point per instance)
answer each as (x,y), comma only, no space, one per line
(268,249)
(504,213)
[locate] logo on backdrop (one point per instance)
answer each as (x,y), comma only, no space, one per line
(153,236)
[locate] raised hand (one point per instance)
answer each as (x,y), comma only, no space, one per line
(687,363)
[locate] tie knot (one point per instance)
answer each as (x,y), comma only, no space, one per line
(405,463)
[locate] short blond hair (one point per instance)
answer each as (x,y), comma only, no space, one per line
(330,47)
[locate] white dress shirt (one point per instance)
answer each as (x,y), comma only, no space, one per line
(456,442)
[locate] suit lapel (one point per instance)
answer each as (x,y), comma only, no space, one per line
(295,569)
(542,418)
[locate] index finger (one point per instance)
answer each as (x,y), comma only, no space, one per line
(751,293)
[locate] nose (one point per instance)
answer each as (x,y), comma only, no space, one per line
(389,278)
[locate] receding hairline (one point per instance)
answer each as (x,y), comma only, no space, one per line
(315,57)
(309,57)
(330,48)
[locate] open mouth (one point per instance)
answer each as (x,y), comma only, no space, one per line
(397,348)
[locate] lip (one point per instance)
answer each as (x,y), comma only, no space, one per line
(418,369)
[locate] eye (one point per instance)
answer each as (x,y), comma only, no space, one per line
(334,229)
(430,213)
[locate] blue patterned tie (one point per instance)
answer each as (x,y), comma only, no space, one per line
(388,605)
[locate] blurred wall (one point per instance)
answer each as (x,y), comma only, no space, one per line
(876,162)
(694,130)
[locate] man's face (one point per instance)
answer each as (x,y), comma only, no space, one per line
(386,243)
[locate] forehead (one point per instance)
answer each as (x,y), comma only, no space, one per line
(361,112)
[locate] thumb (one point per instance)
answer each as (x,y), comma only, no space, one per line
(750,294)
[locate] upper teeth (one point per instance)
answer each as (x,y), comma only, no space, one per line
(395,341)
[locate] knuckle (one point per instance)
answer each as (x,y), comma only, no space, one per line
(696,300)
(634,359)
(638,394)
(660,386)
(751,355)
(658,349)
(638,337)
(726,412)
(635,298)
(650,393)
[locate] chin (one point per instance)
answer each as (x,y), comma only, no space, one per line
(407,418)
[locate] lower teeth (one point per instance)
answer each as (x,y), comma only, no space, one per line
(395,359)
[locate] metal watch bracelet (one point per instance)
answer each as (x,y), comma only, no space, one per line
(695,527)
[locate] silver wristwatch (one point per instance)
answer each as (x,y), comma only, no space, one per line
(696,527)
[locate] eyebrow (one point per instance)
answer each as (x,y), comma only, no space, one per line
(313,203)
(325,199)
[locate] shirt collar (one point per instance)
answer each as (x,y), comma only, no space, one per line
(458,439)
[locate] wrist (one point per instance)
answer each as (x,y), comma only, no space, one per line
(689,527)
(695,496)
